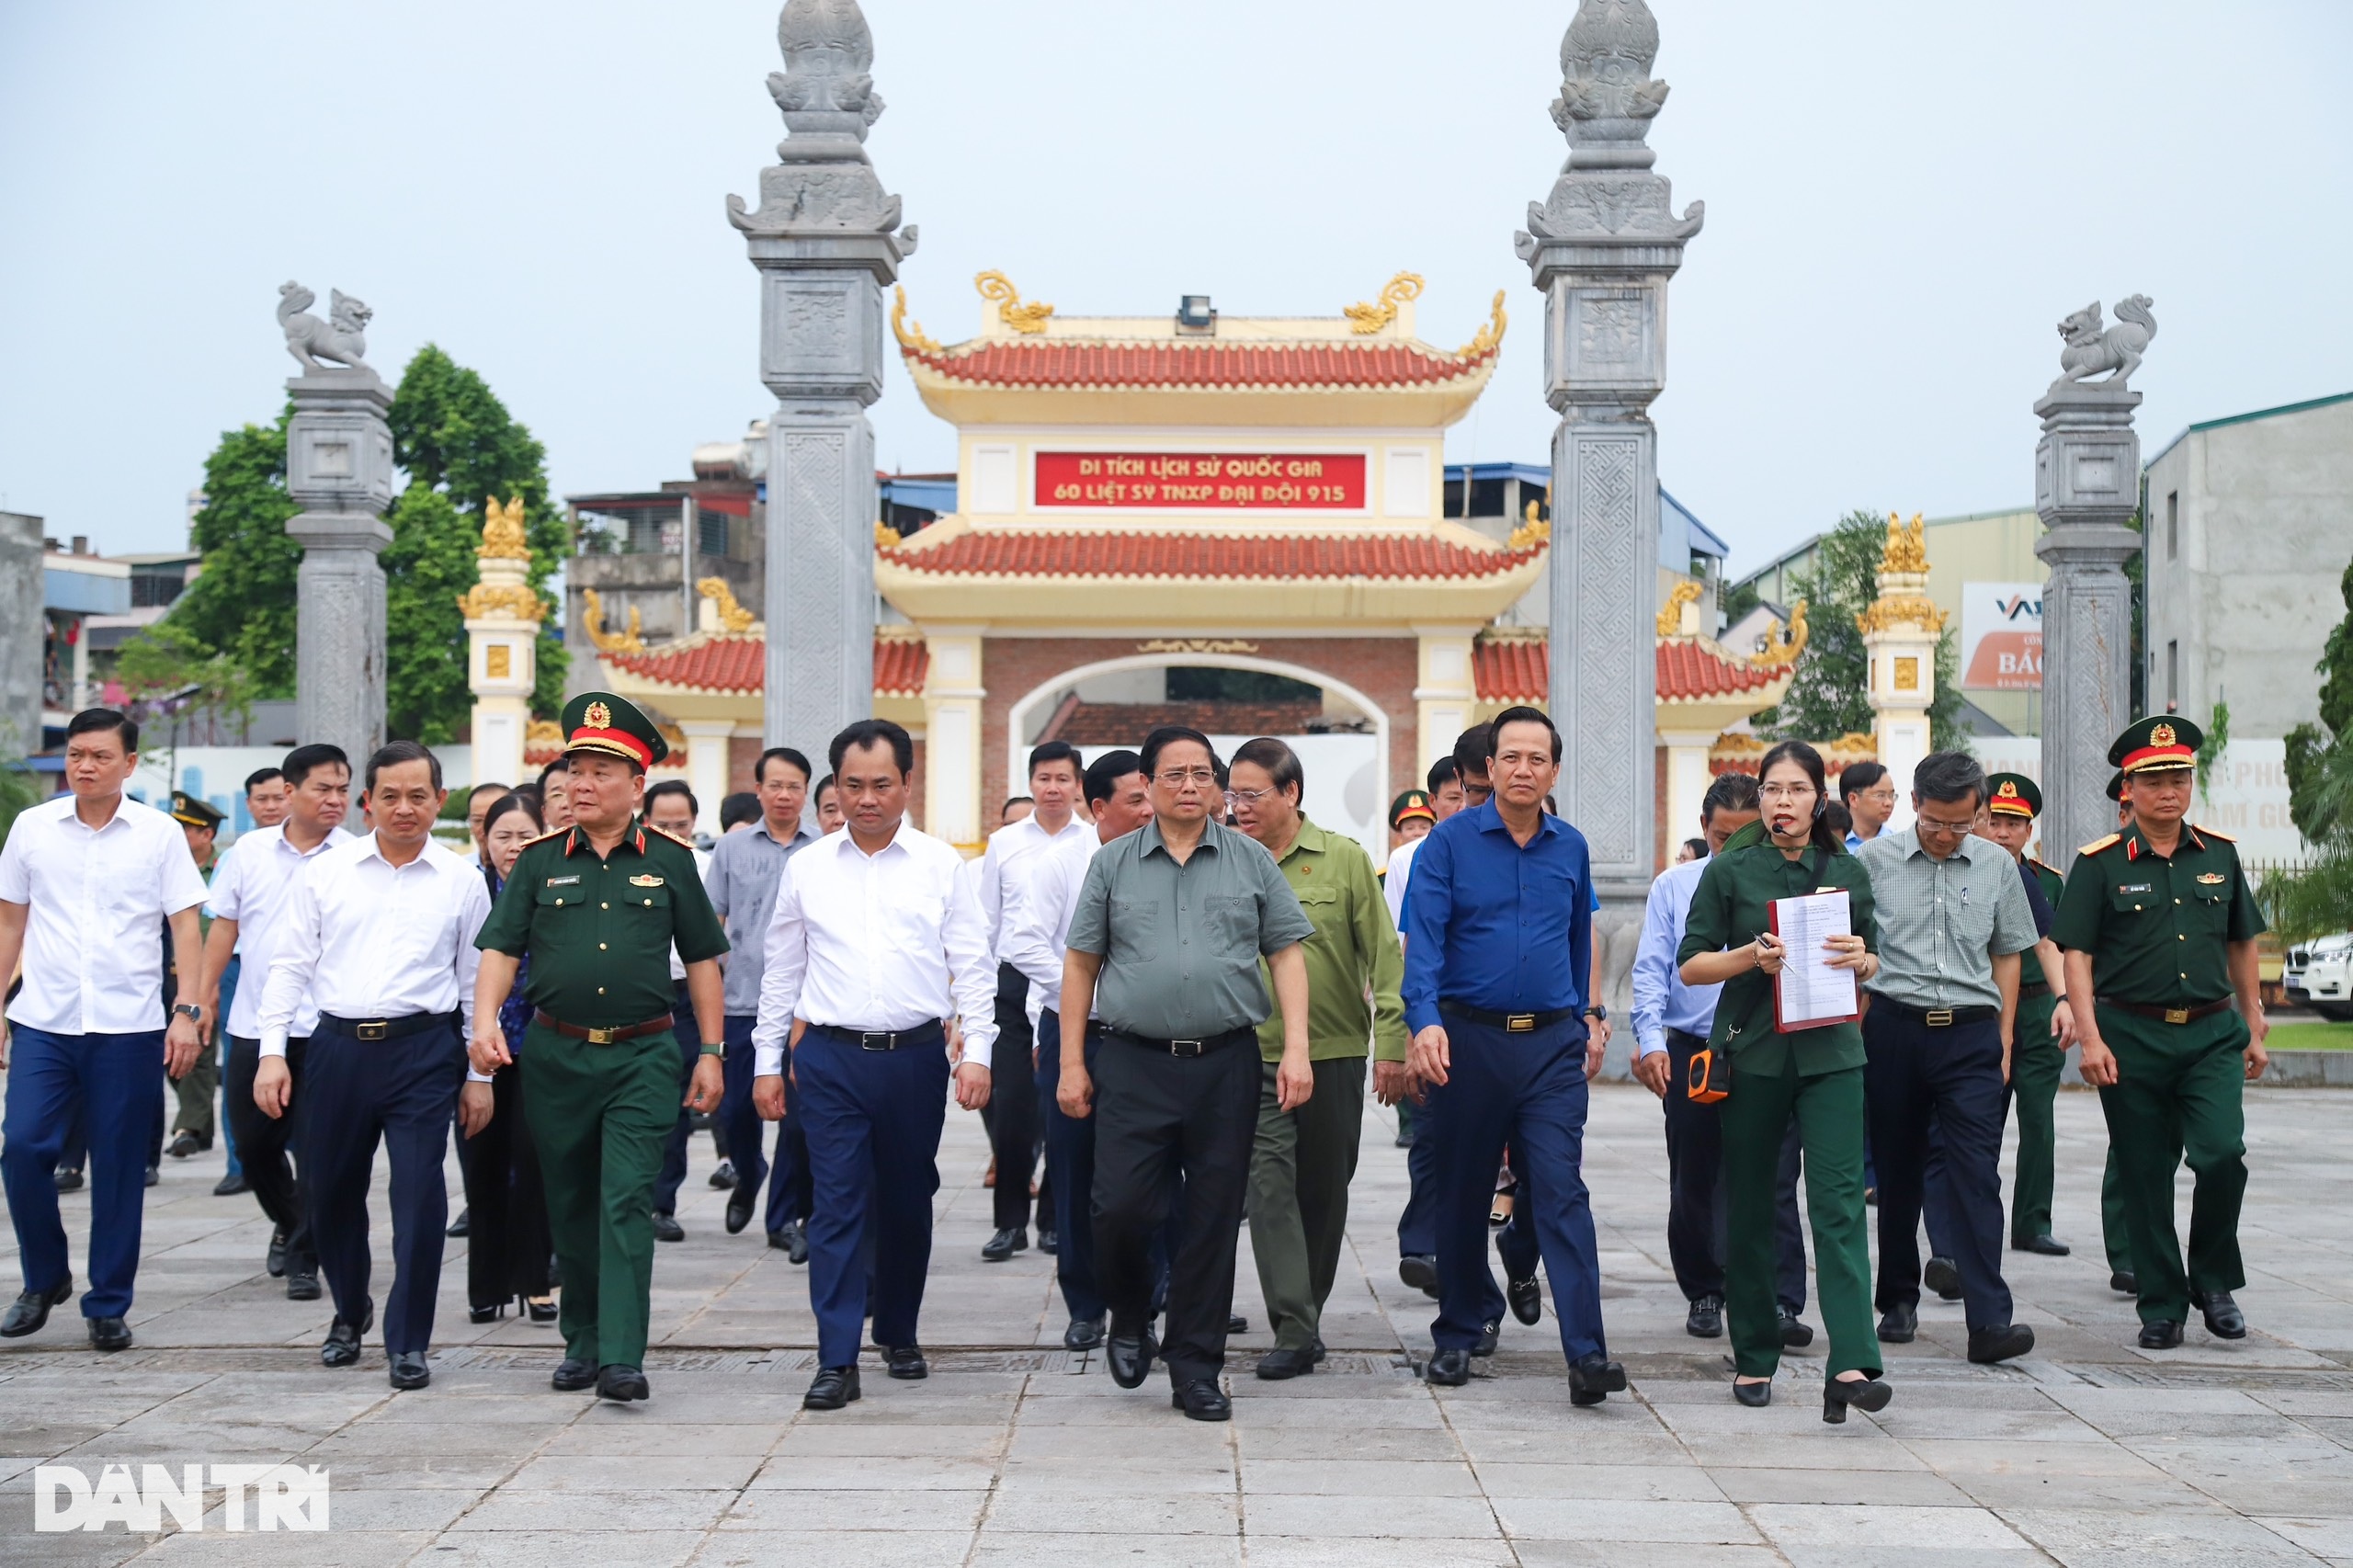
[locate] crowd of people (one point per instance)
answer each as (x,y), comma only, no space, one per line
(1161,976)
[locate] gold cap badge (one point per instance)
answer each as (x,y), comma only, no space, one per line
(598,716)
(2162,735)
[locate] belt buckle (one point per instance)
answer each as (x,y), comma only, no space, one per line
(1939,1017)
(876,1040)
(1519,1023)
(1185,1047)
(371,1031)
(2176,1015)
(603,1037)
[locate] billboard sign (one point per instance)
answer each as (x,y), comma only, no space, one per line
(2001,636)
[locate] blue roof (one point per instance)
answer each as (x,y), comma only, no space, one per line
(1704,539)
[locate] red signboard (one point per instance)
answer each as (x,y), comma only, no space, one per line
(1284,482)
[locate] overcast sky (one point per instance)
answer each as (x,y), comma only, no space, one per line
(1901,201)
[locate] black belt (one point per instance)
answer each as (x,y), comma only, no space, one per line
(1202,1047)
(932,1034)
(1510,1023)
(2035,988)
(383,1029)
(1939,1017)
(1093,1025)
(2164,1014)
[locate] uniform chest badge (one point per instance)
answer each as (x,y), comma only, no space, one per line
(564,882)
(2135,887)
(2213,878)
(645,882)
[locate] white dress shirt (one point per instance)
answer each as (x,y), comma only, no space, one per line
(251,886)
(891,940)
(364,938)
(1392,884)
(1022,874)
(94,936)
(702,872)
(1058,889)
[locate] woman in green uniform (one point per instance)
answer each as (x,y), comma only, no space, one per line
(1814,1074)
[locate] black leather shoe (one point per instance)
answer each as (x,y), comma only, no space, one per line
(1237,1324)
(341,1348)
(28,1314)
(1317,1352)
(541,1311)
(69,1180)
(277,1260)
(739,1212)
(1757,1396)
(1449,1368)
(1279,1364)
(155,1174)
(231,1184)
(462,1225)
(184,1142)
(1048,1242)
(571,1375)
(1419,1269)
(1491,1333)
(2124,1282)
(490,1313)
(409,1370)
(1526,1299)
(1796,1333)
(1942,1274)
(1084,1333)
(1706,1318)
(1004,1243)
(1130,1359)
(621,1384)
(1988,1346)
(2162,1334)
(832,1388)
(1201,1400)
(723,1175)
(1842,1394)
(2047,1246)
(2224,1319)
(1899,1325)
(905,1363)
(302,1280)
(1593,1378)
(666,1228)
(110,1333)
(796,1248)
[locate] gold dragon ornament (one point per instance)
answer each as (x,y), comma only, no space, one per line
(1371,316)
(1030,318)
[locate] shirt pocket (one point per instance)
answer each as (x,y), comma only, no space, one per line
(559,901)
(1971,915)
(1231,926)
(1322,907)
(2209,909)
(1135,929)
(2130,898)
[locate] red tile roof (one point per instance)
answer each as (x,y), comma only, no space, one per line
(1505,669)
(740,664)
(1101,554)
(1068,362)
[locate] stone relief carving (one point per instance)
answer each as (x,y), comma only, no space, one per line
(823,180)
(1610,332)
(1609,639)
(816,324)
(1607,101)
(2114,352)
(813,466)
(341,339)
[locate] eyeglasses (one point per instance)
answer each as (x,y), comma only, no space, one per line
(1786,791)
(1176,777)
(1249,797)
(1943,829)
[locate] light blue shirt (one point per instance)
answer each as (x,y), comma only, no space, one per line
(1854,841)
(1662,1002)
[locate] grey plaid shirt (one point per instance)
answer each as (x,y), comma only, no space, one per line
(1942,923)
(742,881)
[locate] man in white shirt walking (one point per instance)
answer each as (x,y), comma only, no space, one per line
(251,889)
(87,882)
(380,935)
(874,942)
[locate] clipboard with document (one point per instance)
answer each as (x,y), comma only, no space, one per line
(1807,993)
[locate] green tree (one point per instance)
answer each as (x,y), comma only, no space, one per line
(169,657)
(460,446)
(242,604)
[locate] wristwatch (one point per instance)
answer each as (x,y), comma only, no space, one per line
(189,1011)
(1598,1012)
(714,1051)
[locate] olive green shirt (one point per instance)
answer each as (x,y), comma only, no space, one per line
(1181,943)
(2158,926)
(1730,907)
(599,932)
(1354,964)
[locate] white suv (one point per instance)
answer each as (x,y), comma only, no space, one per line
(2319,975)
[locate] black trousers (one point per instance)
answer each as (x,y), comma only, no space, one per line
(1698,1214)
(507,1246)
(270,1148)
(674,1149)
(1158,1117)
(1951,1077)
(1013,1099)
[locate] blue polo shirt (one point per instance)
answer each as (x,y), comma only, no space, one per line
(1493,925)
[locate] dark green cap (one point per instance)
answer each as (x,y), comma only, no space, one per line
(196,811)
(2013,795)
(611,725)
(2159,741)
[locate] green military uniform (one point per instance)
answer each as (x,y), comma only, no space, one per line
(597,933)
(2114,1239)
(196,1087)
(2036,1060)
(1814,1074)
(2158,929)
(1302,1159)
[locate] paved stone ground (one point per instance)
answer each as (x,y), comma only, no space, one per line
(2089,1453)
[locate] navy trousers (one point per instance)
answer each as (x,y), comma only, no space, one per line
(873,1120)
(276,1165)
(746,1134)
(674,1149)
(1013,1129)
(1417,1224)
(789,1174)
(1526,1090)
(401,1093)
(109,1086)
(1951,1078)
(1070,1171)
(1698,1206)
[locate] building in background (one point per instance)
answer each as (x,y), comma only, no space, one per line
(24,634)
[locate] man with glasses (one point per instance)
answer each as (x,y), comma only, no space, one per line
(1953,919)
(1172,920)
(1867,792)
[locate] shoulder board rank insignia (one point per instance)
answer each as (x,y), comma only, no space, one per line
(2216,833)
(645,882)
(2213,878)
(2041,865)
(551,833)
(676,838)
(2095,845)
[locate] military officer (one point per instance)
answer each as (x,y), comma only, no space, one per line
(2040,1052)
(2113,1240)
(192,1130)
(2159,927)
(596,907)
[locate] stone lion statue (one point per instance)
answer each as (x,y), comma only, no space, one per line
(2091,351)
(341,340)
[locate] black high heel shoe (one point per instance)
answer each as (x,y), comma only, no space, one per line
(541,1311)
(486,1315)
(1839,1394)
(1757,1396)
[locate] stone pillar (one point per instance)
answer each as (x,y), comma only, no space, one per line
(1601,247)
(503,617)
(339,469)
(707,750)
(1446,693)
(952,695)
(22,594)
(2086,488)
(1901,629)
(826,240)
